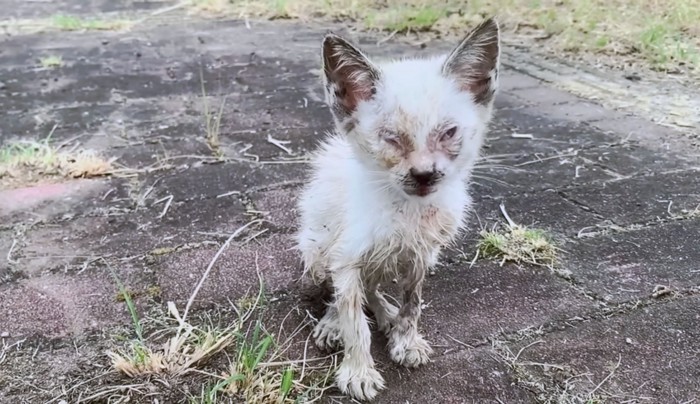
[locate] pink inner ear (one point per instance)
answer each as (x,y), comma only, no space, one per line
(350,93)
(479,86)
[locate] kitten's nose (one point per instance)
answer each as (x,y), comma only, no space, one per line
(423,177)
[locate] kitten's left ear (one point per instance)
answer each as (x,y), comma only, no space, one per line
(474,63)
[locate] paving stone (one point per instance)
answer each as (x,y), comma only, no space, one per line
(544,96)
(443,381)
(50,364)
(29,198)
(546,210)
(279,206)
(72,246)
(629,265)
(547,128)
(471,304)
(511,80)
(191,222)
(657,349)
(72,120)
(632,159)
(209,181)
(634,201)
(56,305)
(573,111)
(640,129)
(235,273)
(50,201)
(537,174)
(299,141)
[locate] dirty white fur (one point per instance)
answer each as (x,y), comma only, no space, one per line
(361,224)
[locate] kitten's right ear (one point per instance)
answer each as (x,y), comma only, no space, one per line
(474,64)
(349,76)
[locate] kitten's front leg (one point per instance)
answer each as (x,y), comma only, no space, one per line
(406,345)
(356,374)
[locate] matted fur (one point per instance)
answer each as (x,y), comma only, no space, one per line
(389,189)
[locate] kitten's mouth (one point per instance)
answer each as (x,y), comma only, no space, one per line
(420,190)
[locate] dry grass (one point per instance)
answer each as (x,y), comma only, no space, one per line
(50,62)
(553,383)
(189,347)
(212,121)
(512,242)
(257,372)
(27,162)
(74,23)
(662,34)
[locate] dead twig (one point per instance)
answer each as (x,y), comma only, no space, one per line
(510,221)
(612,372)
(9,253)
(280,144)
(168,200)
(205,275)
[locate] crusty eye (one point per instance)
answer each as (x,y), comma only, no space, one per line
(448,134)
(391,138)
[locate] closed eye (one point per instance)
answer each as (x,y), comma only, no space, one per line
(391,138)
(448,134)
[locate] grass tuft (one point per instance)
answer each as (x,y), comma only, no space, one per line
(73,23)
(188,347)
(406,19)
(26,162)
(512,242)
(517,244)
(212,122)
(50,62)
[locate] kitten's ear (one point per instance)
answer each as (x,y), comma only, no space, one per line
(474,63)
(349,76)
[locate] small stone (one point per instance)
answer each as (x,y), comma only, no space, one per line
(633,77)
(628,340)
(5,334)
(2,85)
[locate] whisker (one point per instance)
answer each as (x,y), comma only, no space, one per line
(491,179)
(499,167)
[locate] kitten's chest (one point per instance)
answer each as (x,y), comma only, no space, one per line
(426,226)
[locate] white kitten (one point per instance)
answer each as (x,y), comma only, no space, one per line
(389,189)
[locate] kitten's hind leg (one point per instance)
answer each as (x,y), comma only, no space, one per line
(384,312)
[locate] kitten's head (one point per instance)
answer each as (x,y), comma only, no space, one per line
(417,122)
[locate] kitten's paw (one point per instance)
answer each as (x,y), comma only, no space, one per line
(384,325)
(361,382)
(409,350)
(327,333)
(385,314)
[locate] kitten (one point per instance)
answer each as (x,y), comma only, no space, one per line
(390,188)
